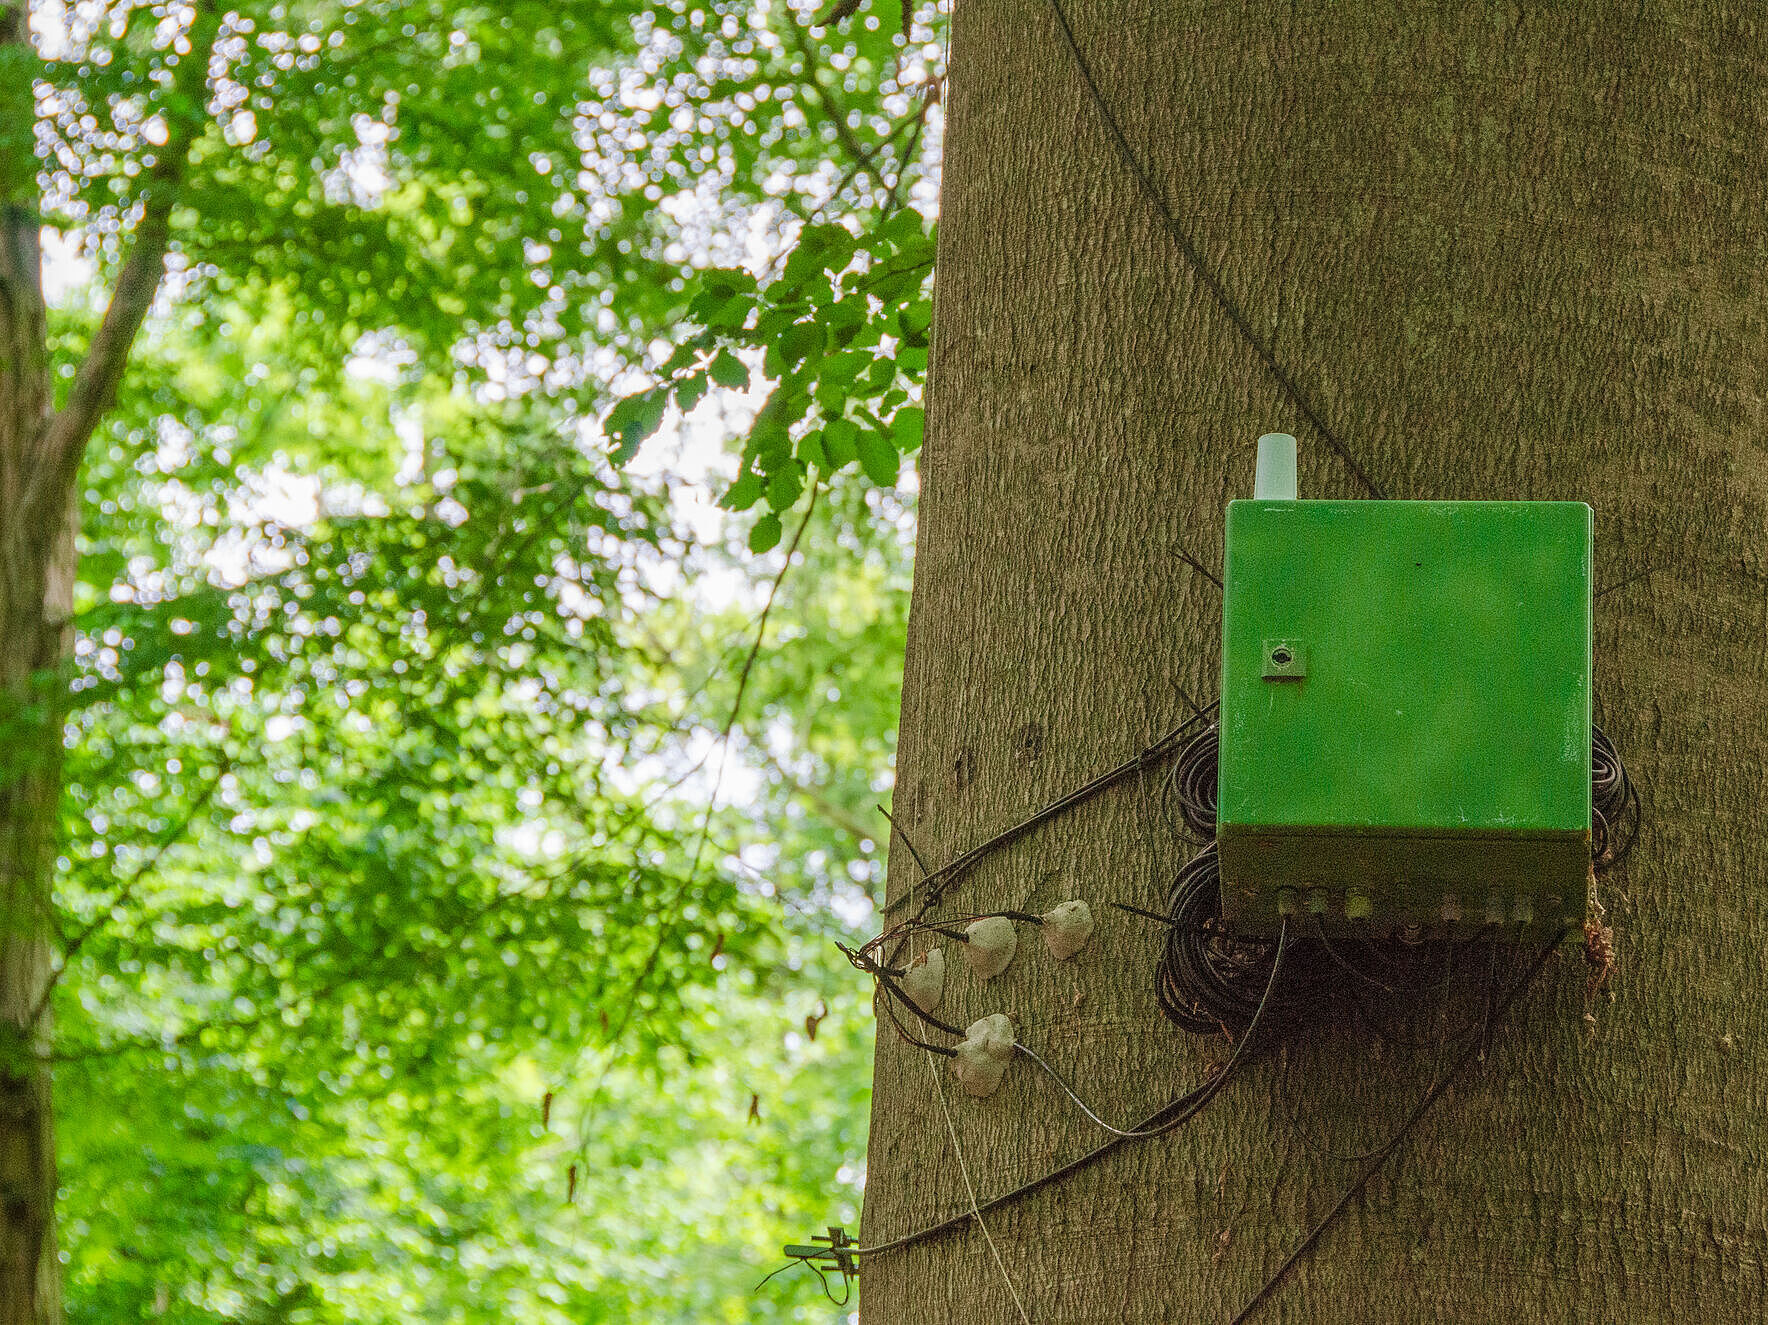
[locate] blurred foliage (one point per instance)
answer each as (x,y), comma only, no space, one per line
(411,969)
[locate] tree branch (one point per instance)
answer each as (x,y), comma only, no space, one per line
(843,819)
(95,384)
(24,375)
(833,111)
(127,891)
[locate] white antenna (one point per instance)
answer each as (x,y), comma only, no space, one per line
(1275,480)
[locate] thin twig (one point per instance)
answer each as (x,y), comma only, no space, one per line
(907,841)
(94,387)
(908,158)
(833,111)
(836,814)
(127,891)
(937,882)
(1201,569)
(664,929)
(1616,587)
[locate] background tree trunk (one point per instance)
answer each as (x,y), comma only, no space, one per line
(36,600)
(1508,256)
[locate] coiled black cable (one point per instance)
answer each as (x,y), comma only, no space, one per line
(1614,801)
(1192,782)
(1614,804)
(1211,979)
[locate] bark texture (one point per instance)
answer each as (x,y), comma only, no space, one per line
(1510,255)
(35,599)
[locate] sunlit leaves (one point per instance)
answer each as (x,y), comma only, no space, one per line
(841,333)
(764,535)
(389,737)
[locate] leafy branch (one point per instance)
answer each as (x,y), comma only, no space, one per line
(842,332)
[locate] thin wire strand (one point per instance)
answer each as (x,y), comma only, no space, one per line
(936,883)
(1194,260)
(1380,1158)
(975,1209)
(817,1270)
(1164,1119)
(1436,1066)
(1204,1093)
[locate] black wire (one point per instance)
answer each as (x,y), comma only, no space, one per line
(817,1270)
(1614,801)
(1438,1047)
(1345,964)
(1168,1117)
(939,881)
(1194,259)
(1379,1160)
(1209,977)
(1191,781)
(1212,980)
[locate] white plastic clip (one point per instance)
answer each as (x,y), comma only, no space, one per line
(924,981)
(1067,928)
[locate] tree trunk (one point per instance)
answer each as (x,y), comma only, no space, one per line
(36,599)
(1505,255)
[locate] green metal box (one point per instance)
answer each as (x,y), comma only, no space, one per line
(1405,722)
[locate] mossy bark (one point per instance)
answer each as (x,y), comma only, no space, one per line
(1509,254)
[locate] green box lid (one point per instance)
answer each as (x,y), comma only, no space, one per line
(1404,669)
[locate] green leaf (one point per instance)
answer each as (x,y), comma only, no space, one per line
(840,442)
(776,319)
(729,371)
(844,368)
(798,342)
(684,357)
(820,248)
(878,458)
(913,321)
(720,312)
(844,319)
(770,443)
(744,493)
(908,428)
(830,396)
(766,534)
(727,281)
(634,419)
(689,390)
(784,487)
(902,229)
